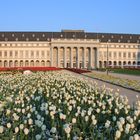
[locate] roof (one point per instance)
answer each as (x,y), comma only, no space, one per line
(46,36)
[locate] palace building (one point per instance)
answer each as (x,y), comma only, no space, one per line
(69,48)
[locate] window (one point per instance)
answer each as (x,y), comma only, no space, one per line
(110,54)
(10,53)
(120,54)
(139,55)
(119,40)
(129,54)
(8,45)
(124,54)
(0,53)
(32,53)
(100,54)
(37,54)
(134,55)
(5,53)
(16,53)
(21,53)
(104,54)
(115,55)
(48,53)
(42,53)
(26,54)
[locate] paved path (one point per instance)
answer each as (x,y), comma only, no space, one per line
(126,76)
(131,95)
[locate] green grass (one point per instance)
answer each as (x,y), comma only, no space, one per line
(122,71)
(126,71)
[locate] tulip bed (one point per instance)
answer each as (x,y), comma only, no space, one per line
(77,70)
(58,105)
(132,84)
(28,68)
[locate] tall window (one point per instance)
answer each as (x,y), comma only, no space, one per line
(37,54)
(104,54)
(21,53)
(48,53)
(129,54)
(124,54)
(5,53)
(139,55)
(32,54)
(42,54)
(110,54)
(10,53)
(100,54)
(134,55)
(16,53)
(120,54)
(115,55)
(0,54)
(26,54)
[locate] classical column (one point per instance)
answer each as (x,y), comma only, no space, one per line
(93,58)
(51,56)
(65,57)
(58,57)
(84,57)
(71,57)
(90,57)
(77,56)
(96,58)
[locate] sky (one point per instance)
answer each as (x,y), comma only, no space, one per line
(106,16)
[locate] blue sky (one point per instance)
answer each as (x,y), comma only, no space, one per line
(116,16)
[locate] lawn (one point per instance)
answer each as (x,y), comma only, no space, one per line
(128,83)
(127,71)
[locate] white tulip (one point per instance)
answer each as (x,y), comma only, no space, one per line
(26,131)
(118,134)
(1,129)
(74,120)
(8,125)
(38,137)
(53,130)
(136,137)
(16,130)
(21,126)
(43,127)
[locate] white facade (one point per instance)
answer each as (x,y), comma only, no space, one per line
(72,53)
